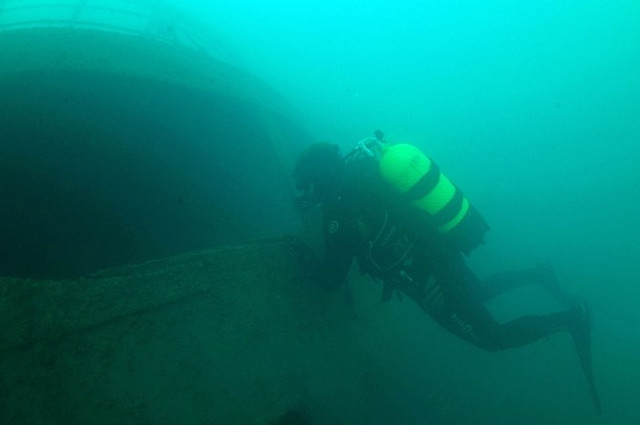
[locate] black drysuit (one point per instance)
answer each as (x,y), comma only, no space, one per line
(363,219)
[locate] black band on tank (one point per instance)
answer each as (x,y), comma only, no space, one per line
(450,210)
(425,184)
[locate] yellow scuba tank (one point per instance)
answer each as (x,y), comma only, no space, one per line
(418,179)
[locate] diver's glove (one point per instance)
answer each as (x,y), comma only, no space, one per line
(299,250)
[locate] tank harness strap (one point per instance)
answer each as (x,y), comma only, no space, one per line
(426,184)
(449,212)
(376,240)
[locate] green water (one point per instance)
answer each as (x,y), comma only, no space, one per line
(530,107)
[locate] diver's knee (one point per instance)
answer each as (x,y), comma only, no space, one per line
(490,345)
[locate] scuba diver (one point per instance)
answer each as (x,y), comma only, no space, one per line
(409,227)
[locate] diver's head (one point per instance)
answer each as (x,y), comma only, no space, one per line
(317,170)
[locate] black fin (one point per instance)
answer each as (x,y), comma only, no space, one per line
(581,333)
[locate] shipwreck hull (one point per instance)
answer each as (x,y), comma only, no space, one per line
(229,335)
(118,149)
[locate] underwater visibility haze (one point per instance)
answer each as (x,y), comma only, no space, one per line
(531,108)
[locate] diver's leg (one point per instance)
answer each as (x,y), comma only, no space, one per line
(542,274)
(474,323)
(448,298)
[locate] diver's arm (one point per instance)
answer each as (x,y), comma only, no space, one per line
(340,244)
(328,269)
(332,272)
